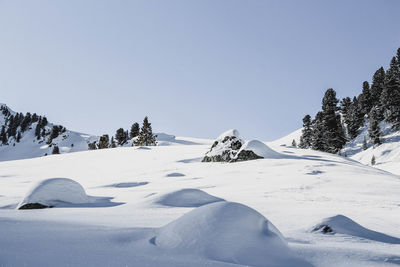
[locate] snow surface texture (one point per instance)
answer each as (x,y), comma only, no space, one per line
(187,198)
(293,192)
(51,192)
(343,225)
(228,232)
(259,148)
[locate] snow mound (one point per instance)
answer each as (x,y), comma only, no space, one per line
(258,148)
(50,192)
(187,198)
(213,231)
(225,147)
(343,225)
(175,174)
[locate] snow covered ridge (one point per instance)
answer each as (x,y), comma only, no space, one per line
(230,147)
(30,135)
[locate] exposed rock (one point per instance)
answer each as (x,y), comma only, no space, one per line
(225,147)
(32,206)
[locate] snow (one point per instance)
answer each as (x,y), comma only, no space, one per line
(344,225)
(260,149)
(231,132)
(187,197)
(124,226)
(51,192)
(213,232)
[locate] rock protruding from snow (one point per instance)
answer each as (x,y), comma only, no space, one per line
(225,147)
(228,232)
(51,192)
(187,198)
(343,225)
(255,149)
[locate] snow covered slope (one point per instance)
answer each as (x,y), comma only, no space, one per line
(30,146)
(129,224)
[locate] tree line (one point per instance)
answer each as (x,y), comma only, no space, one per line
(142,136)
(340,121)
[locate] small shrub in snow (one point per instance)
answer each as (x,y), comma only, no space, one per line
(373,160)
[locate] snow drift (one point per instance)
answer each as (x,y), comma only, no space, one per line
(343,225)
(258,148)
(51,192)
(187,198)
(213,231)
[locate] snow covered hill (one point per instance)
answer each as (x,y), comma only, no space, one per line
(161,206)
(387,155)
(28,145)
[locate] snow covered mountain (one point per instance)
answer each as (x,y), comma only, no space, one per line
(29,145)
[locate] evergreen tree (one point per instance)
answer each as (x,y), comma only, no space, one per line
(92,146)
(103,142)
(3,135)
(26,122)
(55,131)
(306,137)
(121,136)
(134,130)
(317,138)
(35,118)
(390,98)
(377,86)
(333,133)
(374,130)
(355,119)
(56,150)
(112,143)
(365,99)
(365,145)
(373,161)
(18,136)
(294,143)
(146,136)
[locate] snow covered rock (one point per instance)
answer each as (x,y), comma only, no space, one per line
(51,192)
(213,231)
(343,225)
(225,147)
(255,149)
(188,198)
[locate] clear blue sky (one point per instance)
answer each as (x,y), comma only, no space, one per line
(196,68)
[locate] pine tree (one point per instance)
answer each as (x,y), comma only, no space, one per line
(334,133)
(355,119)
(377,86)
(294,143)
(18,136)
(390,98)
(112,143)
(26,122)
(374,130)
(373,161)
(92,146)
(56,150)
(306,137)
(120,136)
(146,136)
(135,129)
(103,142)
(3,135)
(317,138)
(365,145)
(365,99)
(55,131)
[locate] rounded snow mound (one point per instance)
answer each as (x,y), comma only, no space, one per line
(50,192)
(187,198)
(228,232)
(258,148)
(344,225)
(231,132)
